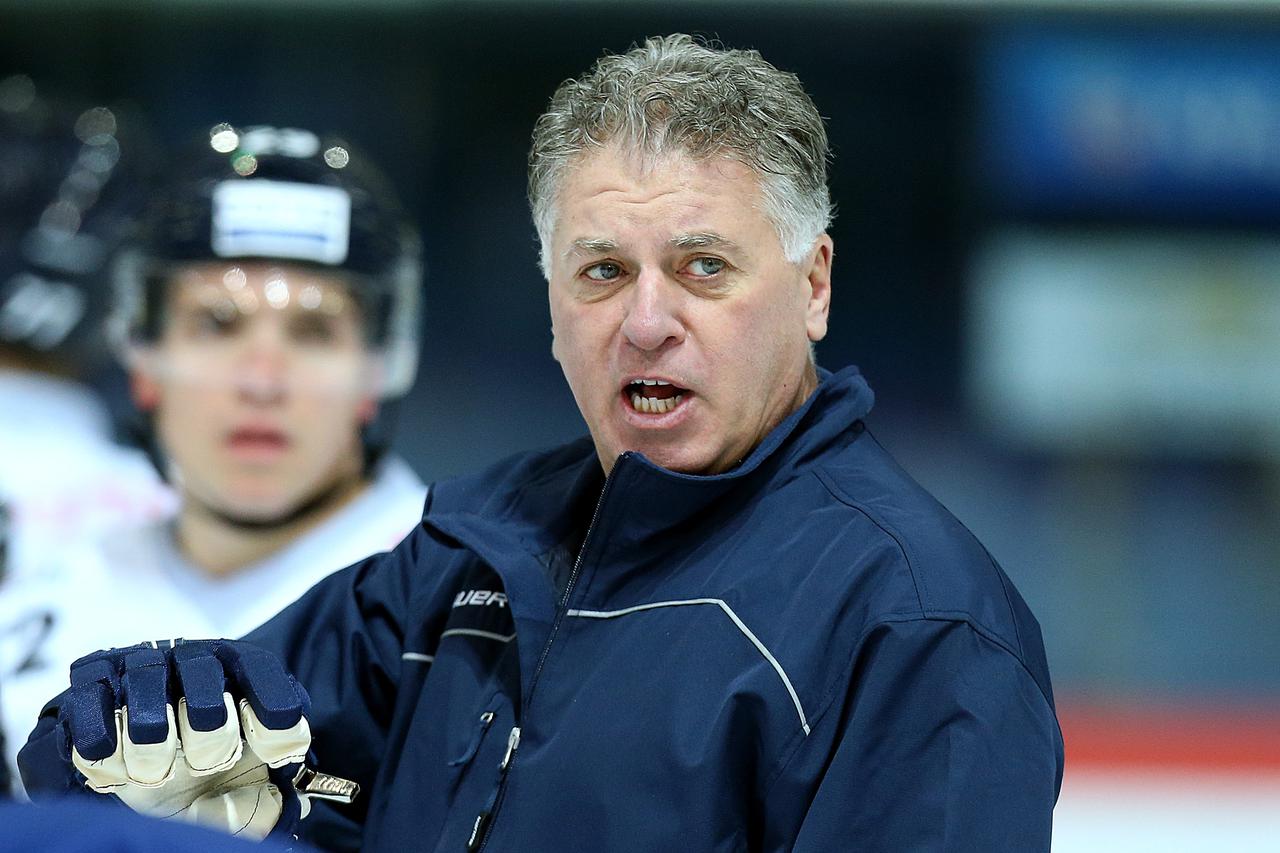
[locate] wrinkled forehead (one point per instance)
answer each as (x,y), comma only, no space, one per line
(640,162)
(621,168)
(680,195)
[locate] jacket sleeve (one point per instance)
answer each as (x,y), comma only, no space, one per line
(343,642)
(942,741)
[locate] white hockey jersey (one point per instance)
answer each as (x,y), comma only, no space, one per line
(137,586)
(62,478)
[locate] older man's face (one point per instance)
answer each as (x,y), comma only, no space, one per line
(680,325)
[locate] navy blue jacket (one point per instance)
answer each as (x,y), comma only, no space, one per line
(807,653)
(76,825)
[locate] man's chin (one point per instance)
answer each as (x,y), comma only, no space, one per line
(255,515)
(250,510)
(672,457)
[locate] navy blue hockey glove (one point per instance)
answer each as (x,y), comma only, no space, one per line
(211,731)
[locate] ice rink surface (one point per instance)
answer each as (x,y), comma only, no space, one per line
(1145,811)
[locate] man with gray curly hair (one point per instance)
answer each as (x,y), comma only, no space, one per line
(725,621)
(628,155)
(674,96)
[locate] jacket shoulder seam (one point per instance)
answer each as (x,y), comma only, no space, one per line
(917,580)
(1008,601)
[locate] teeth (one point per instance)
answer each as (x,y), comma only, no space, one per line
(650,382)
(653,405)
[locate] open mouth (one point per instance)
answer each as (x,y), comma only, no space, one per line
(654,396)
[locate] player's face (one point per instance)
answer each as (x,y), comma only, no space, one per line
(258,385)
(681,327)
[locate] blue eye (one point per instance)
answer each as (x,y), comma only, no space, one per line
(706,266)
(605,271)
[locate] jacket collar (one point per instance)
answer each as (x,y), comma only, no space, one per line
(539,509)
(658,499)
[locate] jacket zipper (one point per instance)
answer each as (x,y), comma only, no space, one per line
(483,826)
(480,827)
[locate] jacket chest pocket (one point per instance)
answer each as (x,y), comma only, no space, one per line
(472,759)
(471,740)
(481,728)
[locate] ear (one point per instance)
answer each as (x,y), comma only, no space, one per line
(145,390)
(551,307)
(367,410)
(555,350)
(819,288)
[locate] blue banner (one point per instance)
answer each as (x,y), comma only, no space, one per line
(1143,123)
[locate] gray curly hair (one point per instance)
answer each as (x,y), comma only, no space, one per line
(673,94)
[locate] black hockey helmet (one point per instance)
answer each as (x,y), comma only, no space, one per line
(70,180)
(280,194)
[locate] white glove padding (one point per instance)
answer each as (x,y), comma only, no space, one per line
(158,726)
(218,778)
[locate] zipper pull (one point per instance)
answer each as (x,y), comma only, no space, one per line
(477,831)
(513,743)
(480,827)
(322,786)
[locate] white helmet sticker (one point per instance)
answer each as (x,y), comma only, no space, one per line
(280,219)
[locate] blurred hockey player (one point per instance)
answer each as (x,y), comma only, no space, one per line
(67,179)
(267,315)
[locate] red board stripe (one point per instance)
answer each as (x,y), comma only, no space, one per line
(1135,735)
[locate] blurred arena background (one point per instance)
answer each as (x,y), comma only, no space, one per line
(1058,265)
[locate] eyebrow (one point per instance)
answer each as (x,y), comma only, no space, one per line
(701,240)
(695,240)
(591,246)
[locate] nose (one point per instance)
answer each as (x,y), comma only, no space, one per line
(262,369)
(652,320)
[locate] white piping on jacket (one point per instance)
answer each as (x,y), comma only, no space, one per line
(475,632)
(462,632)
(760,647)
